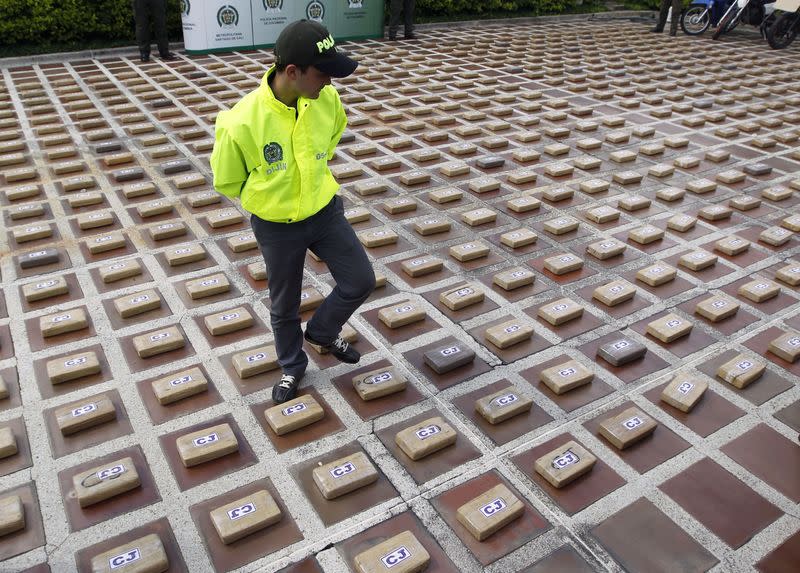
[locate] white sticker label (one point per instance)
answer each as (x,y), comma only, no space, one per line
(633,423)
(205,440)
(83,410)
(378,378)
(616,288)
(343,470)
(619,345)
(450,351)
(464,291)
(744,365)
(76,361)
(227,317)
(493,507)
(181,380)
(294,409)
(62,318)
(124,558)
(512,328)
(567,372)
(674,323)
(560,307)
(565,460)
(241,511)
(405,308)
(209,282)
(427,431)
(685,388)
(396,557)
(505,400)
(140,298)
(159,336)
(255,357)
(112,472)
(46,284)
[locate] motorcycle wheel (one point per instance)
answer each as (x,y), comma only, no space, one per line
(727,23)
(783,31)
(695,19)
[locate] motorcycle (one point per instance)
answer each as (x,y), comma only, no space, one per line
(786,26)
(754,12)
(700,15)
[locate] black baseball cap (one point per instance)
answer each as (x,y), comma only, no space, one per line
(308,43)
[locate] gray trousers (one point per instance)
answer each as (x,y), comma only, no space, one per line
(407,8)
(677,6)
(329,236)
(143,10)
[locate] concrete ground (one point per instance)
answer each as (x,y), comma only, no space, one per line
(540,123)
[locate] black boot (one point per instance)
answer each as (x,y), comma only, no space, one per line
(656,30)
(144,56)
(167,56)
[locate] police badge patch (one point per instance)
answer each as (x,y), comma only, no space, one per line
(273,5)
(273,152)
(315,11)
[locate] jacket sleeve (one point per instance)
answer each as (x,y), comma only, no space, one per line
(228,164)
(341,123)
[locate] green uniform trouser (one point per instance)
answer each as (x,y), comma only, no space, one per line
(143,10)
(677,6)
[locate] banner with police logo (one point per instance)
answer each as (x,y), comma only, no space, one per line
(228,24)
(270,17)
(213,25)
(358,19)
(193,21)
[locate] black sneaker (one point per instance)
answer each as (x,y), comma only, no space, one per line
(340,349)
(410,36)
(167,56)
(144,56)
(286,389)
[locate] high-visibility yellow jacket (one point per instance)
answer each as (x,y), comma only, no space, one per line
(274,158)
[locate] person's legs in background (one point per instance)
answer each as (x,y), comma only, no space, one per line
(662,16)
(159,10)
(408,16)
(677,6)
(395,8)
(141,13)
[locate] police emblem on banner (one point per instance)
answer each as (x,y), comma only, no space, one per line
(273,5)
(315,10)
(227,16)
(355,3)
(273,152)
(186,7)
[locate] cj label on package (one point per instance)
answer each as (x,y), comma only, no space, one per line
(742,370)
(503,405)
(490,511)
(402,553)
(344,475)
(379,383)
(142,555)
(425,438)
(448,357)
(294,414)
(207,444)
(627,427)
(565,464)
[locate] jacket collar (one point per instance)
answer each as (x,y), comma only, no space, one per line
(269,97)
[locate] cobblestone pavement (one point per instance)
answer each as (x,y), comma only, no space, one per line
(583,188)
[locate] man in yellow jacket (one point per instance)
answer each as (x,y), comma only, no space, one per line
(272,151)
